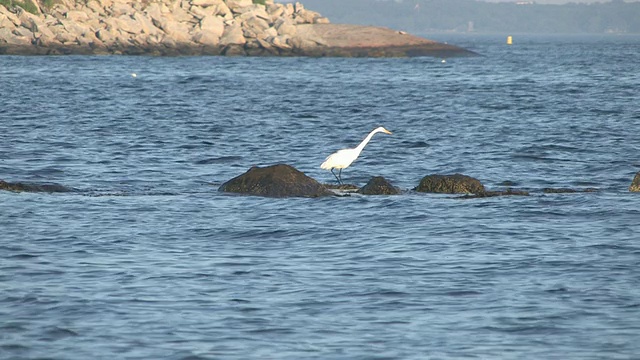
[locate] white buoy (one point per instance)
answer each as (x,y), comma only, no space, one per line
(444,61)
(134,75)
(509,40)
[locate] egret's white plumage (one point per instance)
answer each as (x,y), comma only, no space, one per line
(341,159)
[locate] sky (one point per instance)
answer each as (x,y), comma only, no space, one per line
(557,2)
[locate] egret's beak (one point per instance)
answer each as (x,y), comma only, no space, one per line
(387,131)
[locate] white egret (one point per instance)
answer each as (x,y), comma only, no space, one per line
(341,159)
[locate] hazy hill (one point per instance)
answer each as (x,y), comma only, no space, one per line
(420,16)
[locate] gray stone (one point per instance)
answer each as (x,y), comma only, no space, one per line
(78,16)
(205,3)
(233,35)
(213,25)
(285,27)
(121,8)
(236,5)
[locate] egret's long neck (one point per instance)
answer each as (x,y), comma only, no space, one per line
(365,141)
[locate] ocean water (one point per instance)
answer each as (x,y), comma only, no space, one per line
(147,260)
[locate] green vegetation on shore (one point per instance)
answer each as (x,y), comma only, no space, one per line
(27,5)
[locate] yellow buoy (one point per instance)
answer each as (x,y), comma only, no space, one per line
(509,40)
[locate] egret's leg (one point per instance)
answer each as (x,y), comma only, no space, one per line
(337,178)
(340,177)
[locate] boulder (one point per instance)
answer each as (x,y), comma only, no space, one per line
(205,3)
(183,16)
(285,27)
(450,184)
(222,10)
(275,181)
(306,16)
(120,8)
(145,23)
(75,29)
(26,187)
(288,9)
(10,38)
(126,23)
(95,6)
(256,11)
(236,5)
(379,186)
(63,36)
(213,25)
(206,38)
(254,27)
(635,184)
(7,16)
(178,31)
(275,11)
(154,11)
(77,16)
(233,35)
(30,21)
(200,12)
(23,32)
(281,42)
(45,37)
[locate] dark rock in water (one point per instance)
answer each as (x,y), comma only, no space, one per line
(343,187)
(379,186)
(558,190)
(485,194)
(566,190)
(508,183)
(635,184)
(450,184)
(24,187)
(275,181)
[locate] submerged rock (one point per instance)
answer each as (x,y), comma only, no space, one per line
(566,190)
(275,181)
(26,187)
(450,184)
(635,184)
(485,194)
(379,186)
(342,187)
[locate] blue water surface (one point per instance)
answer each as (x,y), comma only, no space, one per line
(147,260)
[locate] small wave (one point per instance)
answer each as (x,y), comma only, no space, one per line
(218,160)
(463,293)
(14,347)
(415,144)
(305,116)
(57,333)
(22,256)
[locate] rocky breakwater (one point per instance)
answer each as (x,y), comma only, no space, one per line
(195,27)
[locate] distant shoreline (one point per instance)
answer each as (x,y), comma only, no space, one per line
(200,27)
